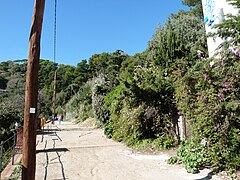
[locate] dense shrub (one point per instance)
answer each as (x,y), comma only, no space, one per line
(161,143)
(209,98)
(136,123)
(208,95)
(99,89)
(80,105)
(142,108)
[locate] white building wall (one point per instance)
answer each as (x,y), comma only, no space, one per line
(214,12)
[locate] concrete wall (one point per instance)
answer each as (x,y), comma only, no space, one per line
(214,12)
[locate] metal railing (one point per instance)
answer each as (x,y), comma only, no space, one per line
(7,151)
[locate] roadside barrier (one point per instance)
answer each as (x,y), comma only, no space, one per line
(9,147)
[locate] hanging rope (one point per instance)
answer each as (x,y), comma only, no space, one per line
(55,32)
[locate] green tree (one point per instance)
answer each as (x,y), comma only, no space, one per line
(80,105)
(45,74)
(105,69)
(195,7)
(81,73)
(181,37)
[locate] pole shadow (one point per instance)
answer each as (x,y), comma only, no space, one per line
(208,177)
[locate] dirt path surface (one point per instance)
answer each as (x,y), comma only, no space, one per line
(68,151)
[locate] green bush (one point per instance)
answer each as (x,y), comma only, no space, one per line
(209,98)
(160,143)
(164,142)
(136,124)
(192,155)
(9,115)
(80,104)
(17,172)
(108,129)
(99,90)
(6,157)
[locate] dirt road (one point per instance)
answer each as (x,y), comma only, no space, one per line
(76,153)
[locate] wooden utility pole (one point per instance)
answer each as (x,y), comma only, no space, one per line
(31,94)
(55,67)
(54,95)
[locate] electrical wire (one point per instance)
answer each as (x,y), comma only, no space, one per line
(55,32)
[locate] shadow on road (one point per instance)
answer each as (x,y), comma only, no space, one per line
(57,151)
(208,177)
(44,132)
(52,150)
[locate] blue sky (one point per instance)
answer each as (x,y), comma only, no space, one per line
(84,27)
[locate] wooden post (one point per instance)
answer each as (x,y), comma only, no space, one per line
(1,155)
(31,94)
(13,148)
(54,95)
(55,67)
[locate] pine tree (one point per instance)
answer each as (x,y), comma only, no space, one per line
(195,7)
